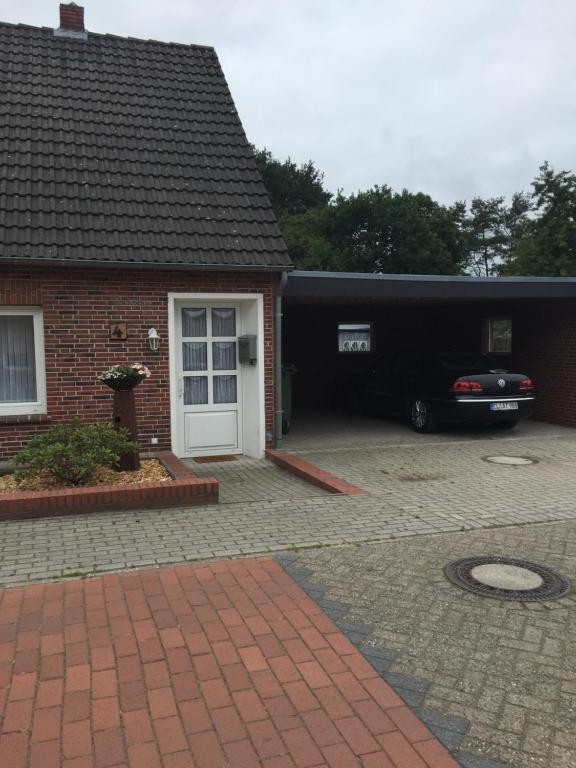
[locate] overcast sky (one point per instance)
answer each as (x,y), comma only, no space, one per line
(456,98)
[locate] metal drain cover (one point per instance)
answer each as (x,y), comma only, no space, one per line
(507,579)
(513,461)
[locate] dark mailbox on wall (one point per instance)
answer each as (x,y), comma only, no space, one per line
(247,349)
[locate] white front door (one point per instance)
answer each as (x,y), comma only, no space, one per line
(209,378)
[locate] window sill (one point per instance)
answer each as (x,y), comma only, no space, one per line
(32,418)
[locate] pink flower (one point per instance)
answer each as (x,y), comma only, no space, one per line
(142,369)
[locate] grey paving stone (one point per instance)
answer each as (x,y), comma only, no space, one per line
(463,492)
(444,722)
(247,480)
(356,638)
(452,740)
(471,761)
(413,698)
(349,627)
(405,681)
(474,669)
(378,654)
(110,567)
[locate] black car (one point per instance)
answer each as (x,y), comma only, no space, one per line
(431,390)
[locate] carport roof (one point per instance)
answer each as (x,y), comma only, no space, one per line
(364,285)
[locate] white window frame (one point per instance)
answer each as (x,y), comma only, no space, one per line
(39,406)
(487,336)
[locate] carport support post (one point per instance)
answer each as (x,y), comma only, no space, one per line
(278,359)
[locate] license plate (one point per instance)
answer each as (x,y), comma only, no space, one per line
(503,406)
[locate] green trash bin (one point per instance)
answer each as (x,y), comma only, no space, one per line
(288,371)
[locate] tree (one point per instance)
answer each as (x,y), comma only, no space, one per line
(374,231)
(380,230)
(547,246)
(293,189)
(308,238)
(485,235)
(515,224)
(390,232)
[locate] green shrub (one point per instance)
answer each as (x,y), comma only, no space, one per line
(71,453)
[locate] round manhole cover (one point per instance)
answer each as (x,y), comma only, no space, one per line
(507,579)
(514,461)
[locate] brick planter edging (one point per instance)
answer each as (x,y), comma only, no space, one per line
(313,474)
(174,465)
(183,490)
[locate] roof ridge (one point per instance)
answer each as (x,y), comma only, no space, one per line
(109,36)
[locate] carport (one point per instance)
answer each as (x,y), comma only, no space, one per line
(336,324)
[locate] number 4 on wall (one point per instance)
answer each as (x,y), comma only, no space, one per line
(118,331)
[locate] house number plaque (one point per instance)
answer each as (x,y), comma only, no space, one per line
(118,331)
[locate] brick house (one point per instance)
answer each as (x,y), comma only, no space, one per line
(130,203)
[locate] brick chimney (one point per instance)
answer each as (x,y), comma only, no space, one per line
(71,21)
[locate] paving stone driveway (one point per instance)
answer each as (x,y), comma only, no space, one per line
(246,480)
(417,488)
(228,665)
(495,680)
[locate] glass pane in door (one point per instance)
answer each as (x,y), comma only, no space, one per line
(224,355)
(224,389)
(195,390)
(193,322)
(223,322)
(194,356)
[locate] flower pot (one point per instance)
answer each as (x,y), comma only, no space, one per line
(123,385)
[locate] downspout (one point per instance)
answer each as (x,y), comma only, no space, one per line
(278,358)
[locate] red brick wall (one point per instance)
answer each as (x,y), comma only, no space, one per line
(545,348)
(78,307)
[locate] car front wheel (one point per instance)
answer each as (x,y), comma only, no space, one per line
(421,417)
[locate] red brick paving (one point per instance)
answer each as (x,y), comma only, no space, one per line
(226,665)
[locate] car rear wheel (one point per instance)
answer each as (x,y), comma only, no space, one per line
(508,424)
(421,417)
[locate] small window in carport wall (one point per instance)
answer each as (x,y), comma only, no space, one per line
(354,337)
(498,336)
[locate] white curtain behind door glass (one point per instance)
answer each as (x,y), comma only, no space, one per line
(193,322)
(223,322)
(195,390)
(225,389)
(194,356)
(17,361)
(224,355)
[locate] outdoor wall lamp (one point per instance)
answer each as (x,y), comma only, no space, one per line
(153,339)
